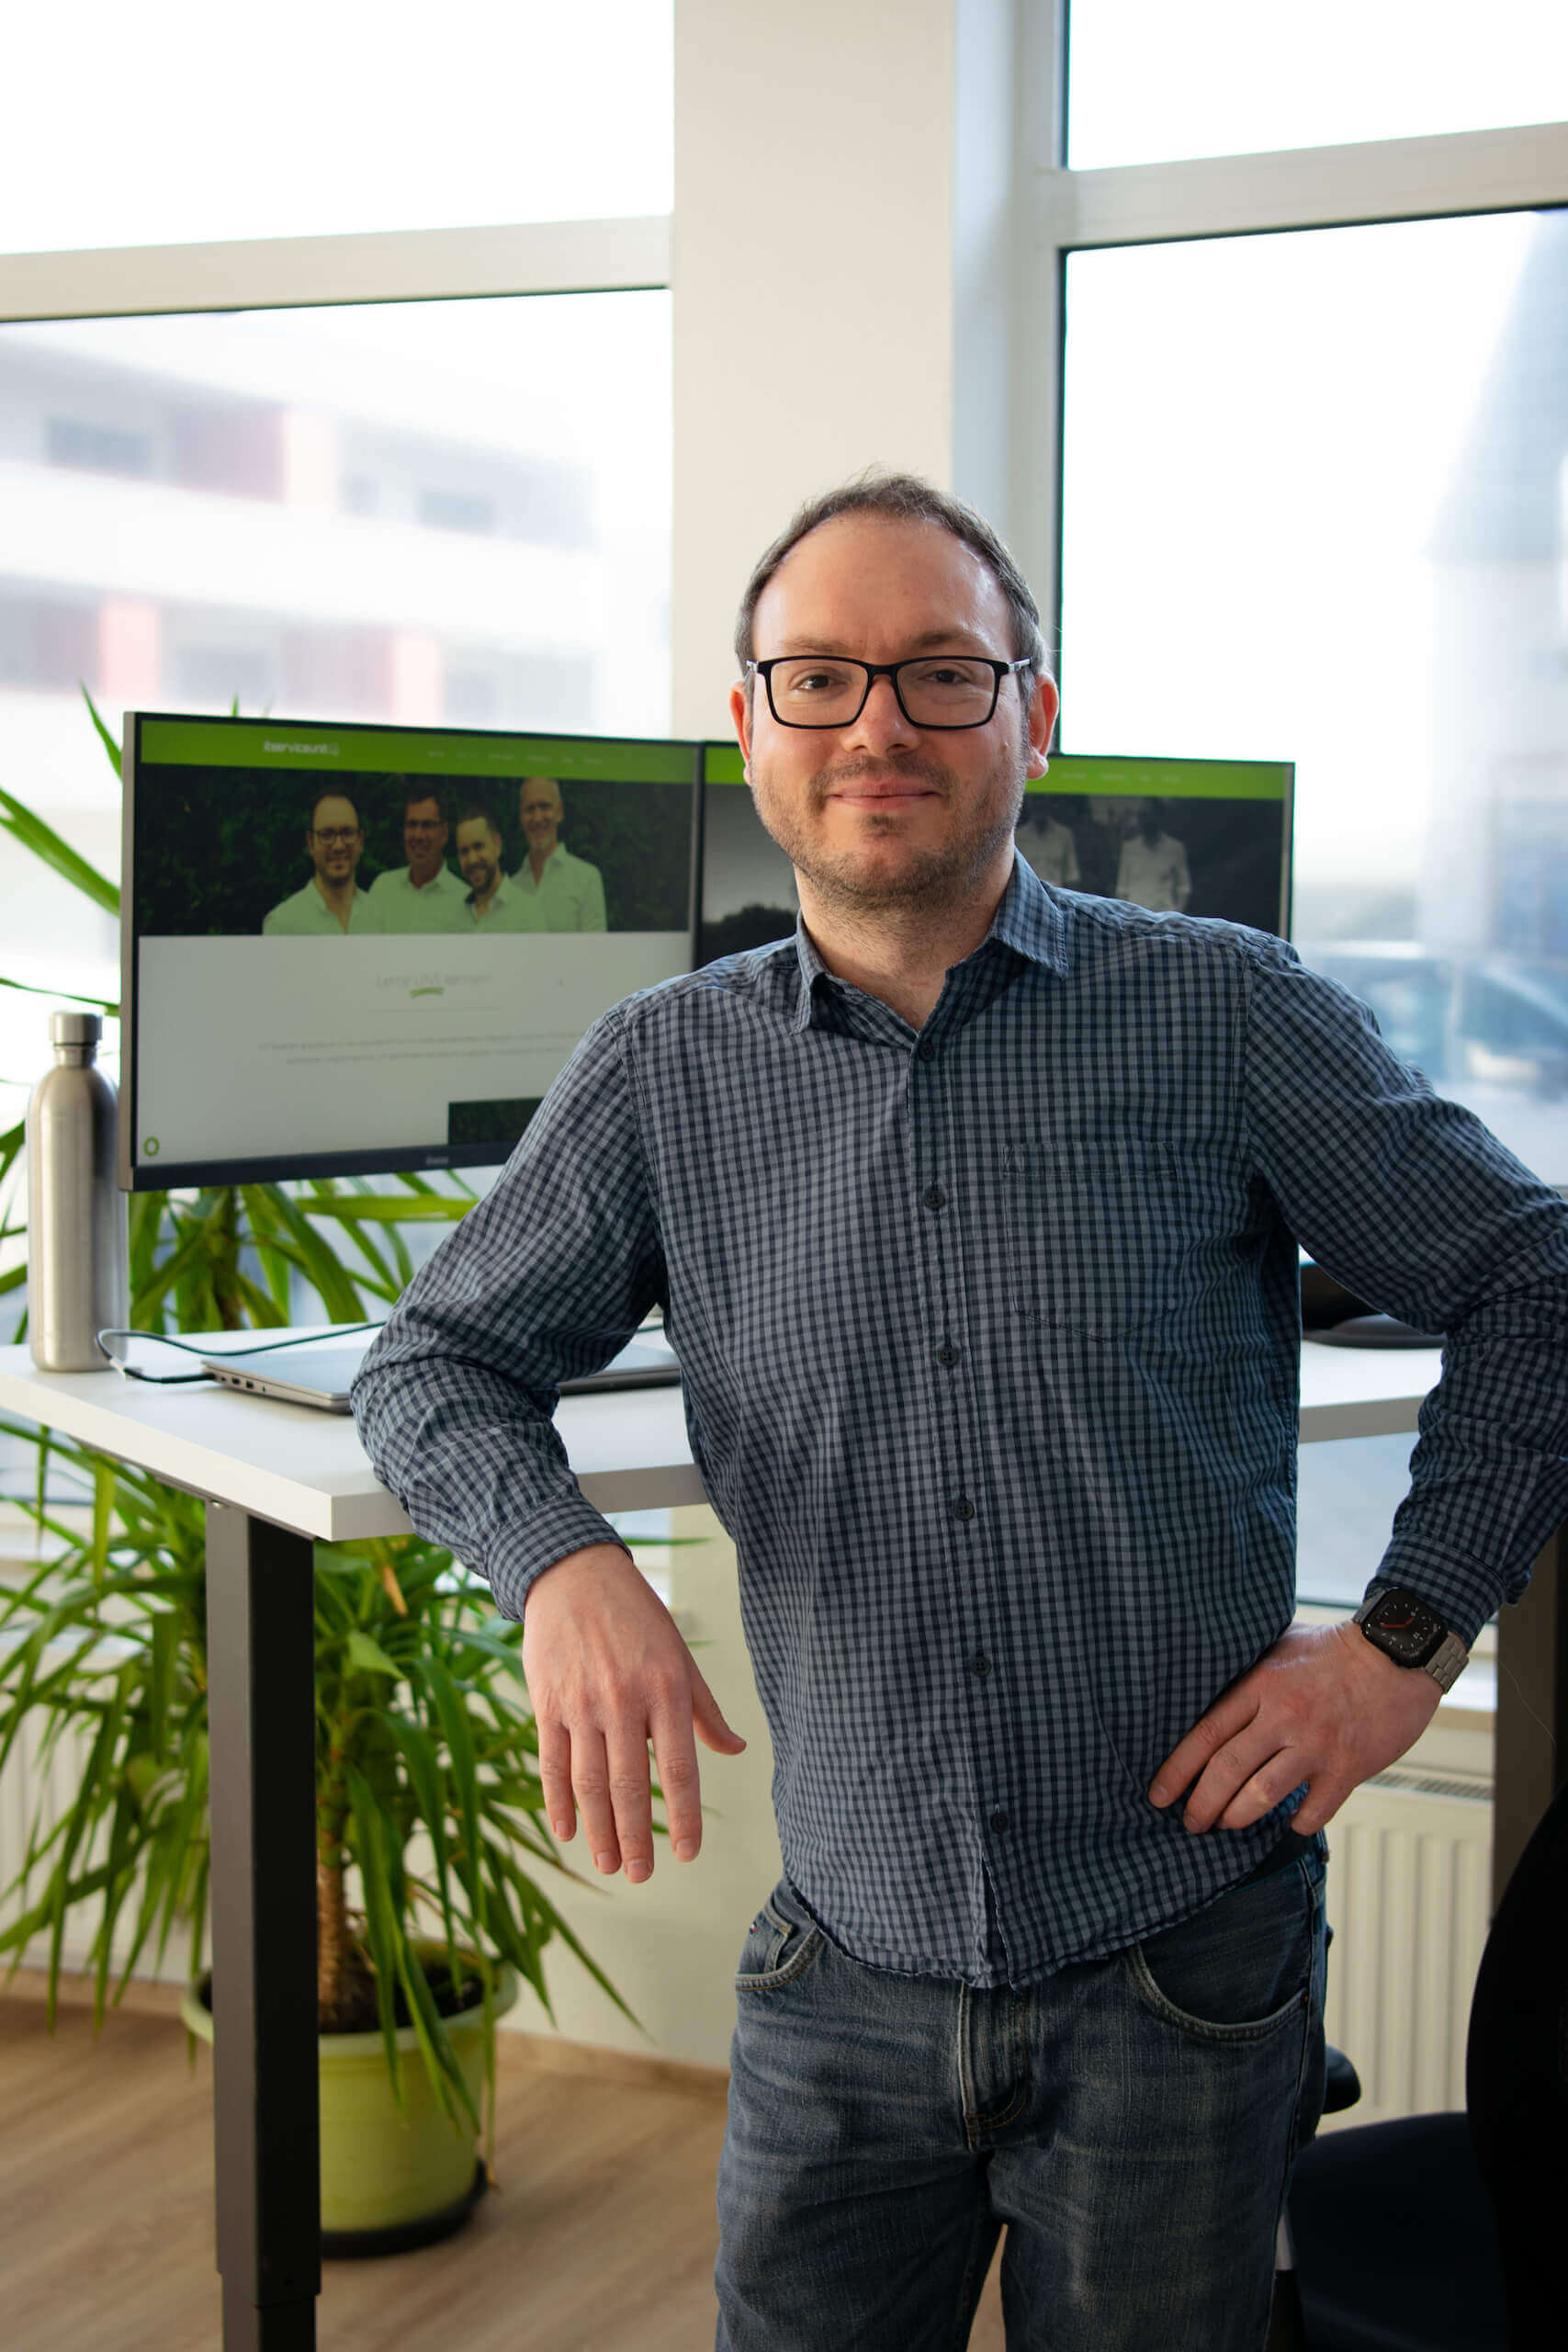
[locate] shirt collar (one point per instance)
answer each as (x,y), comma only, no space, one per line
(1031,921)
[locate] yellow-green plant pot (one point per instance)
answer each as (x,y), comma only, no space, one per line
(390,2179)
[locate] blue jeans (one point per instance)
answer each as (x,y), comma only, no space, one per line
(1130,2121)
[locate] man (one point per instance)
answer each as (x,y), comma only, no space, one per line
(559,892)
(972,1210)
(424,895)
(1046,845)
(1152,869)
(489,899)
(331,901)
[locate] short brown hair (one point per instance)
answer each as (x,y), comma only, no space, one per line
(902,498)
(417,788)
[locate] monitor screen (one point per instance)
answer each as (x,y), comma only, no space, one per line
(1202,837)
(348,949)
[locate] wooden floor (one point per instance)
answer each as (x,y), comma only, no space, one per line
(600,2239)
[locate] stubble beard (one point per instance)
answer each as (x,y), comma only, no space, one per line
(931,880)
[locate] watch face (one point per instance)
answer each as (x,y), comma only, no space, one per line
(1406,1628)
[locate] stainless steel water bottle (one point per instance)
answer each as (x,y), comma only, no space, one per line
(76,1254)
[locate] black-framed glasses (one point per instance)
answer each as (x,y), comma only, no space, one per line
(933,690)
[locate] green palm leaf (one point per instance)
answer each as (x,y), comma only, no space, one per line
(29,830)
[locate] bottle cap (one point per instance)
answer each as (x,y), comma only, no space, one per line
(75,1028)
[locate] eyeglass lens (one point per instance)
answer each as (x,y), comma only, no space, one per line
(336,836)
(942,691)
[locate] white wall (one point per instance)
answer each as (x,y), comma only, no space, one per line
(670,1946)
(813,283)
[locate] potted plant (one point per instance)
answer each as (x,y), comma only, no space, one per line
(429,1803)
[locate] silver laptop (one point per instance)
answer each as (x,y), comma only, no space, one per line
(322,1373)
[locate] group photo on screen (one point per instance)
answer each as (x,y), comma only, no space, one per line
(1198,856)
(1194,856)
(227,852)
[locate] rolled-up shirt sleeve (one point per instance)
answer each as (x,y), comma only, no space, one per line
(545,1279)
(1414,1204)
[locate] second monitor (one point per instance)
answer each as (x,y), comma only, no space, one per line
(1198,837)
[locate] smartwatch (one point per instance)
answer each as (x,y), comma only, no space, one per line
(1406,1630)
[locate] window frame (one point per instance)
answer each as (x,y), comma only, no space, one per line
(608,256)
(1064,210)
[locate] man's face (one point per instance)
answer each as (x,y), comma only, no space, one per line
(880,811)
(425,839)
(336,840)
(539,807)
(479,855)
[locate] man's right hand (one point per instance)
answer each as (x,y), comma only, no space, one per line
(607,1672)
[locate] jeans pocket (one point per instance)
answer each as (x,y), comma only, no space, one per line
(1242,1968)
(780,1945)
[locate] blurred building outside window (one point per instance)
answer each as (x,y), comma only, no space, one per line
(432,514)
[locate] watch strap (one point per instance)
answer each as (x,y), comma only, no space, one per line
(1447,1662)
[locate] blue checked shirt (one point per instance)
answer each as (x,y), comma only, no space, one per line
(989,1338)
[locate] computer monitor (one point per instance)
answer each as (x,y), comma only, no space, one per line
(348,949)
(1205,837)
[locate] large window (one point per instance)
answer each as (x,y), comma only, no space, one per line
(180,121)
(401,457)
(1150,80)
(1313,510)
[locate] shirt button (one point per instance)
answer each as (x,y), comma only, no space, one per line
(963,1508)
(999,1819)
(980,1665)
(926,1050)
(934,1197)
(947,1355)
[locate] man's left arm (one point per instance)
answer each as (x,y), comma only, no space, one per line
(1416,1208)
(590,906)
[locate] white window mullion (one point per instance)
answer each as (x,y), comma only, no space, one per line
(407,266)
(1218,196)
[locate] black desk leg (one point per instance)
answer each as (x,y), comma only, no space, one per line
(261,1688)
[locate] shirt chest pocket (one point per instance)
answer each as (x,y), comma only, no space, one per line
(1113,1234)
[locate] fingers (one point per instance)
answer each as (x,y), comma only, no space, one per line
(555,1777)
(605,1773)
(1320,1804)
(711,1727)
(675,1754)
(607,1672)
(1321,1709)
(591,1778)
(631,1803)
(1208,1735)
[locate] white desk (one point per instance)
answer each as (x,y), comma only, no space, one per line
(306,1470)
(276,1476)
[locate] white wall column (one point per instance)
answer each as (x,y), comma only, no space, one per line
(814,260)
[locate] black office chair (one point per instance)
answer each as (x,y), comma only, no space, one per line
(1445,2232)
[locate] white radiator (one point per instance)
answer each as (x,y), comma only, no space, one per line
(1409,1902)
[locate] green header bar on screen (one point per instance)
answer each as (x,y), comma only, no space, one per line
(1094,771)
(360,751)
